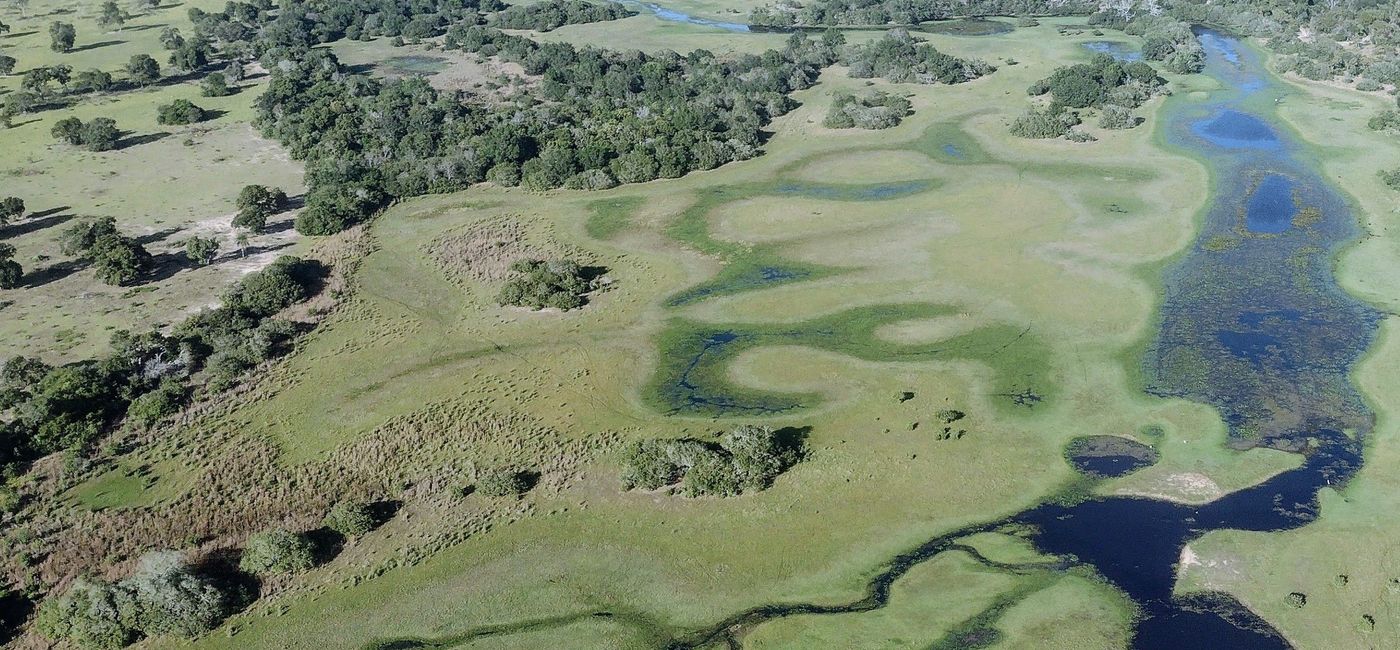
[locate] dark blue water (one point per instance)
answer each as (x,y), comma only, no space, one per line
(1271,207)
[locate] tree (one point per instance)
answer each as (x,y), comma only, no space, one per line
(214,85)
(351,518)
(94,80)
(201,250)
(110,15)
(255,204)
(61,36)
(10,271)
(69,130)
(11,208)
(171,39)
(100,134)
(277,551)
(7,65)
(190,56)
(180,111)
(119,260)
(143,70)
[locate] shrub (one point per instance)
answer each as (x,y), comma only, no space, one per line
(100,134)
(1039,125)
(877,111)
(201,250)
(1391,177)
(180,111)
(283,283)
(350,518)
(166,400)
(747,458)
(277,551)
(1116,117)
(502,483)
(214,85)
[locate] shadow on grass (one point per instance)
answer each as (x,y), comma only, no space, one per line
(138,140)
(32,225)
(151,238)
(53,273)
(93,46)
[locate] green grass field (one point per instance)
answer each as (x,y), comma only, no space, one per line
(1011,279)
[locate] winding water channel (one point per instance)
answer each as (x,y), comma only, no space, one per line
(1252,322)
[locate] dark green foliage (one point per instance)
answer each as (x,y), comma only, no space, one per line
(559,284)
(163,596)
(214,85)
(747,458)
(501,482)
(143,70)
(7,65)
(277,551)
(166,400)
(813,13)
(117,259)
(351,518)
(37,80)
(11,208)
(1117,117)
(201,250)
(553,14)
(191,55)
(10,271)
(61,36)
(93,81)
(1386,120)
(100,134)
(287,281)
(255,204)
(899,58)
(1102,80)
(1391,178)
(180,111)
(170,38)
(110,15)
(877,111)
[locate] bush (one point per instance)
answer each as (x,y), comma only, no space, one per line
(747,458)
(166,400)
(277,551)
(1039,125)
(502,483)
(180,111)
(214,85)
(1391,178)
(285,282)
(877,111)
(351,518)
(201,250)
(100,134)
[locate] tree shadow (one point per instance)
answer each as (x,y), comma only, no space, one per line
(142,28)
(22,34)
(384,510)
(279,227)
(221,568)
(211,114)
(792,441)
(240,253)
(151,238)
(51,211)
(138,140)
(93,46)
(53,273)
(14,611)
(166,265)
(32,225)
(326,544)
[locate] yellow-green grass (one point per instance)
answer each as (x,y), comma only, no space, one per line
(1018,236)
(1345,562)
(164,184)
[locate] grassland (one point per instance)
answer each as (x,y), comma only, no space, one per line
(418,380)
(162,185)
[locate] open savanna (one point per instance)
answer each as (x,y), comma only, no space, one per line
(162,184)
(1033,260)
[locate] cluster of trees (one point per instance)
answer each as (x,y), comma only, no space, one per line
(146,376)
(898,57)
(596,118)
(98,134)
(879,110)
(553,14)
(1166,39)
(747,458)
(816,13)
(168,596)
(118,259)
(255,204)
(180,111)
(1114,86)
(561,284)
(164,596)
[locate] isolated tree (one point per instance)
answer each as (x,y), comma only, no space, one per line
(214,85)
(37,80)
(100,134)
(119,260)
(61,36)
(277,551)
(110,15)
(4,29)
(201,250)
(69,130)
(7,65)
(171,39)
(172,599)
(180,111)
(255,204)
(143,70)
(11,208)
(10,270)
